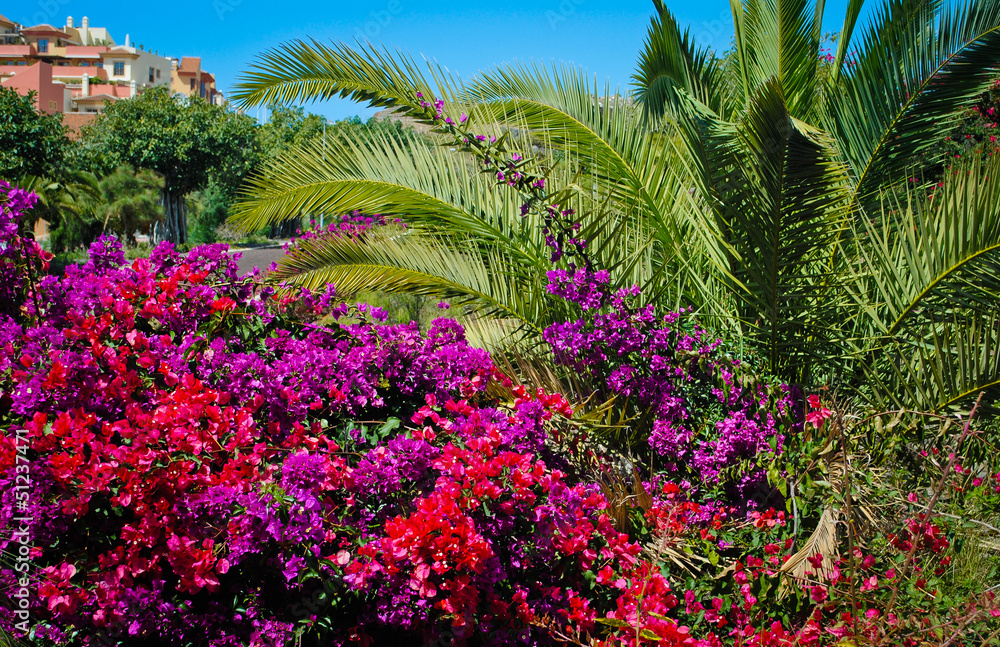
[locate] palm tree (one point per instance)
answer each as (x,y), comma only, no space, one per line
(70,204)
(769,188)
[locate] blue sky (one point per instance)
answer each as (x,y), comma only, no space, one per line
(466,36)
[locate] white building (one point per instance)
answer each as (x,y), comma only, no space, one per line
(127,64)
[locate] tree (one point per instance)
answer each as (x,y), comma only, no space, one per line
(210,210)
(288,127)
(31,142)
(131,202)
(187,141)
(758,187)
(70,203)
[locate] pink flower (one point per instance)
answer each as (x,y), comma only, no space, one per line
(818,593)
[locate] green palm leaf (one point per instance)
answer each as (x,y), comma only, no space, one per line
(670,63)
(935,256)
(944,369)
(783,207)
(917,68)
(311,71)
(394,259)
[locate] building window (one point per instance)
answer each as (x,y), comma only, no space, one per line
(152,74)
(85,64)
(43,45)
(192,85)
(119,68)
(157,74)
(53,105)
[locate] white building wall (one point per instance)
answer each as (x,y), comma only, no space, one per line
(138,69)
(142,65)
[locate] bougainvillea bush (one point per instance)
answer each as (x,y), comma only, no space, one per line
(211,462)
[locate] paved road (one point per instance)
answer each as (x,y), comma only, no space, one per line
(261,257)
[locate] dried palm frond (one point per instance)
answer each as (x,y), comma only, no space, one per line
(822,541)
(679,553)
(624,492)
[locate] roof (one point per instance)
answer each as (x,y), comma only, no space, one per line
(5,21)
(96,98)
(120,51)
(44,29)
(207,78)
(190,64)
(85,51)
(74,121)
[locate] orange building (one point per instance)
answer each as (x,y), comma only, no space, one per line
(187,77)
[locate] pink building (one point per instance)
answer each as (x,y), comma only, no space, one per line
(49,97)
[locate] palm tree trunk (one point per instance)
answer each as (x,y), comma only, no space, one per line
(286,228)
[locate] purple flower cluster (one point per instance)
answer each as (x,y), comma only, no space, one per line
(19,256)
(667,365)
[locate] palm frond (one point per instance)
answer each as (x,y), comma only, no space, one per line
(301,71)
(781,41)
(396,260)
(671,62)
(939,367)
(935,256)
(431,187)
(917,68)
(627,175)
(783,206)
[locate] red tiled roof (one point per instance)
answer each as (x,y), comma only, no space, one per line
(5,21)
(85,51)
(97,98)
(190,64)
(74,121)
(44,29)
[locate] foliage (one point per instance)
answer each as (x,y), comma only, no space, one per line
(132,202)
(188,143)
(209,212)
(31,142)
(755,188)
(288,127)
(206,458)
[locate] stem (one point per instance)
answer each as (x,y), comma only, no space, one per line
(930,504)
(851,539)
(31,277)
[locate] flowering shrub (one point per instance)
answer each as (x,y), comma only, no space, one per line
(212,464)
(19,256)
